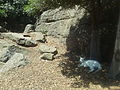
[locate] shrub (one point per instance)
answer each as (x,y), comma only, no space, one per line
(36,6)
(11,8)
(33,7)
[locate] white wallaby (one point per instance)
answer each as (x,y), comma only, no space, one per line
(93,65)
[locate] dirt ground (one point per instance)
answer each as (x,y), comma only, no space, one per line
(59,74)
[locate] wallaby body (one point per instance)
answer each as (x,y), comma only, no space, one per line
(93,65)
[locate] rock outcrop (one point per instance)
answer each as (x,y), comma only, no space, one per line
(20,39)
(70,26)
(7,52)
(11,55)
(59,22)
(16,60)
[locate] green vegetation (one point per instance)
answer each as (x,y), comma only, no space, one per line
(11,8)
(34,7)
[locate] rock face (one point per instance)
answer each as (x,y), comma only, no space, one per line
(58,22)
(70,26)
(47,49)
(16,60)
(29,28)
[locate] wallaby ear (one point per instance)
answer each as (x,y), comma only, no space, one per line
(81,59)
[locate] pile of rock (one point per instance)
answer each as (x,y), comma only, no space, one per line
(48,52)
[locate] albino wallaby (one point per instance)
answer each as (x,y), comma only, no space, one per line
(93,65)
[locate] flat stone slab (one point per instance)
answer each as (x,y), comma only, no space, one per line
(38,36)
(47,49)
(20,39)
(47,56)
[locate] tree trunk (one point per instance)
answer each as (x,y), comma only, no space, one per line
(95,45)
(115,65)
(96,18)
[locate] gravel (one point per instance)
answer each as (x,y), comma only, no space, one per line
(42,75)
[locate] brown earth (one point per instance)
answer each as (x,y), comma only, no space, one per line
(50,75)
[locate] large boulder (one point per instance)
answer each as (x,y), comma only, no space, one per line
(16,60)
(61,14)
(7,52)
(57,28)
(70,26)
(59,22)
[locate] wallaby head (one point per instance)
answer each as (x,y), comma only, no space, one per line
(82,59)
